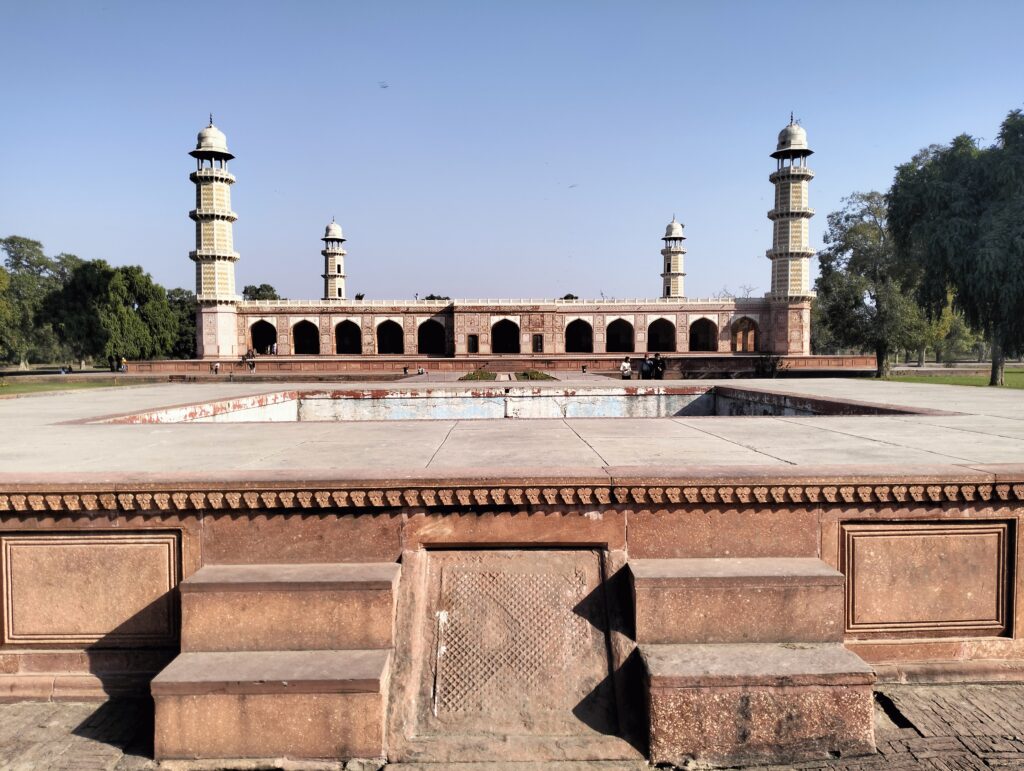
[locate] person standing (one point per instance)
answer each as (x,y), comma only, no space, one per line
(626,369)
(647,368)
(659,367)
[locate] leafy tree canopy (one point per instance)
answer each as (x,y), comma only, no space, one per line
(862,299)
(183,306)
(261,292)
(437,297)
(957,214)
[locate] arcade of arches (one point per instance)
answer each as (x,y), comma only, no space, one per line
(434,337)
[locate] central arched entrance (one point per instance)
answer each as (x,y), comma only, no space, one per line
(390,338)
(661,336)
(703,335)
(505,337)
(579,337)
(430,338)
(348,338)
(263,337)
(305,339)
(620,337)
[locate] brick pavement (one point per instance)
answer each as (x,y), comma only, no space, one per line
(931,728)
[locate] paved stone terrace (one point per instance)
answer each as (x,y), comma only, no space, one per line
(989,429)
(936,728)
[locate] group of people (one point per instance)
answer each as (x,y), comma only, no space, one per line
(650,369)
(116,363)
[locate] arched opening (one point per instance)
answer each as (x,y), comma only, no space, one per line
(703,335)
(430,338)
(620,337)
(579,337)
(744,335)
(305,339)
(390,338)
(505,337)
(262,337)
(348,338)
(661,336)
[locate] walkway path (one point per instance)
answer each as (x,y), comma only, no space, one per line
(933,728)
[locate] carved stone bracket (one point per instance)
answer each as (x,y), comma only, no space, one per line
(353,497)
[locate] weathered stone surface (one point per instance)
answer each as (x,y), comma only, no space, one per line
(295,538)
(703,531)
(597,526)
(289,607)
(321,704)
(736,600)
(742,704)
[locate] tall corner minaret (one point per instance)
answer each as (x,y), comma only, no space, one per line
(214,255)
(791,251)
(334,262)
(672,276)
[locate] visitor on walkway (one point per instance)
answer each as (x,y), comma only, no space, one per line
(626,369)
(659,367)
(647,368)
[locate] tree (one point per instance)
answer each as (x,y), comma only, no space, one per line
(862,298)
(104,311)
(957,214)
(6,315)
(570,296)
(32,276)
(183,306)
(261,292)
(436,297)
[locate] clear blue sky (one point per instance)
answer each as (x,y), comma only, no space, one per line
(520,149)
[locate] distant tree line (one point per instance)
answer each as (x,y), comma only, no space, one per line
(65,309)
(936,263)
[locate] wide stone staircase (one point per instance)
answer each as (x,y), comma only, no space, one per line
(287,660)
(745,663)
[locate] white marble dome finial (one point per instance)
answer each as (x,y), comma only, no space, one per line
(212,140)
(674,229)
(793,139)
(333,230)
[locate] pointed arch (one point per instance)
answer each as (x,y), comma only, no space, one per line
(305,339)
(619,337)
(348,338)
(743,335)
(579,337)
(262,336)
(431,338)
(390,338)
(505,337)
(661,336)
(703,335)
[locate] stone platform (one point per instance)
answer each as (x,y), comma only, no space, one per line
(481,560)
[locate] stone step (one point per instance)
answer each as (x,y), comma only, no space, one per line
(271,704)
(737,600)
(289,607)
(746,704)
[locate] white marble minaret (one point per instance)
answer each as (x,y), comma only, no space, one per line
(672,276)
(791,251)
(334,262)
(214,255)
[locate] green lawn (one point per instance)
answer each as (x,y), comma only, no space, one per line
(479,374)
(533,374)
(12,386)
(1014,379)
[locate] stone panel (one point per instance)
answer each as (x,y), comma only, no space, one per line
(110,589)
(927,579)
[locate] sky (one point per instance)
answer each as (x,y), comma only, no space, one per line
(516,149)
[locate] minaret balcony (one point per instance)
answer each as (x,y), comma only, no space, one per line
(787,172)
(794,212)
(213,214)
(212,175)
(204,255)
(792,253)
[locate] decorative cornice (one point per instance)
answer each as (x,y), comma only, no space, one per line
(319,498)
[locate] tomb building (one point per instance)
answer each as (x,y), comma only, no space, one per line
(340,329)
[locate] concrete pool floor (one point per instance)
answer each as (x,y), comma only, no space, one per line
(43,444)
